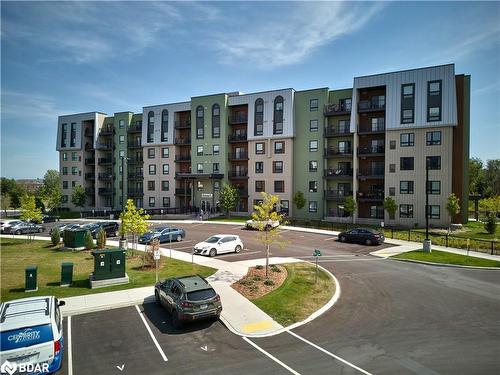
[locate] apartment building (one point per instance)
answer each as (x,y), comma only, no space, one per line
(368,142)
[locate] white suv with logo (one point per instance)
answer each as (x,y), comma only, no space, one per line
(31,332)
(219,244)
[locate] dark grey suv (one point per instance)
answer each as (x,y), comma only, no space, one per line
(188,298)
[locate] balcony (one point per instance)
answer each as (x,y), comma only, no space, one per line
(370,196)
(372,128)
(108,146)
(332,109)
(237,156)
(371,173)
(183,124)
(135,192)
(371,151)
(134,129)
(337,195)
(337,131)
(105,161)
(105,177)
(183,192)
(90,161)
(90,190)
(135,161)
(338,173)
(242,193)
(89,147)
(182,141)
(105,191)
(106,131)
(238,174)
(238,119)
(237,137)
(182,158)
(376,103)
(134,144)
(88,132)
(331,152)
(90,176)
(136,176)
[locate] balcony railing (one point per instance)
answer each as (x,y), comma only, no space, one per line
(105,191)
(238,119)
(238,174)
(242,193)
(89,161)
(105,146)
(134,129)
(105,177)
(371,150)
(182,124)
(88,132)
(331,151)
(237,137)
(90,190)
(108,130)
(234,156)
(337,194)
(371,172)
(332,131)
(338,173)
(375,195)
(138,175)
(134,144)
(182,158)
(182,141)
(337,109)
(182,191)
(135,192)
(135,161)
(372,128)
(376,103)
(106,161)
(90,176)
(89,146)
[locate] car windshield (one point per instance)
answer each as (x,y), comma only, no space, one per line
(212,239)
(90,226)
(201,295)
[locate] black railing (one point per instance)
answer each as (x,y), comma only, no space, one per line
(105,146)
(238,173)
(88,133)
(105,191)
(376,103)
(182,158)
(242,193)
(331,151)
(90,190)
(134,129)
(105,176)
(136,175)
(182,141)
(334,109)
(105,161)
(371,172)
(238,156)
(238,137)
(331,131)
(135,192)
(238,119)
(182,124)
(108,130)
(90,176)
(369,150)
(370,195)
(134,144)
(89,161)
(372,128)
(89,146)
(337,194)
(182,191)
(339,173)
(135,161)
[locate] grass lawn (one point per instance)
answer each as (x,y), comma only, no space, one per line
(236,219)
(17,254)
(449,258)
(299,296)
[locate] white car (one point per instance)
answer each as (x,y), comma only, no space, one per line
(254,224)
(7,224)
(219,244)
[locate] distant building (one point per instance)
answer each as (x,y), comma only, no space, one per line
(31,185)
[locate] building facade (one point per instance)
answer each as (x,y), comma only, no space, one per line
(368,142)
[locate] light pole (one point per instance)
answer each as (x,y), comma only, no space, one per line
(427,241)
(123,190)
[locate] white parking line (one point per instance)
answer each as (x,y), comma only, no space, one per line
(70,352)
(330,354)
(196,225)
(350,260)
(238,227)
(329,239)
(178,248)
(271,356)
(151,334)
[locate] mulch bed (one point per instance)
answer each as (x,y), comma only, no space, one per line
(252,285)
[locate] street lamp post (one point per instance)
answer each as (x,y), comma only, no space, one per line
(122,238)
(427,241)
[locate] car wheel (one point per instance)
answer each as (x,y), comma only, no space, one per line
(368,242)
(18,231)
(213,252)
(342,239)
(237,249)
(157,297)
(179,238)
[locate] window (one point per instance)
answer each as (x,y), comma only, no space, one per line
(313,186)
(279,186)
(259,167)
(259,148)
(259,117)
(166,169)
(406,164)
(434,211)
(277,167)
(313,206)
(166,201)
(407,139)
(313,105)
(200,122)
(74,156)
(151,201)
(406,210)
(260,186)
(73,183)
(65,184)
(164,126)
(278,115)
(392,168)
(344,147)
(64,134)
(215,149)
(199,168)
(199,151)
(65,171)
(165,152)
(433,138)
(407,103)
(313,146)
(65,156)
(392,145)
(313,166)
(285,206)
(378,124)
(434,101)
(434,187)
(64,199)
(74,170)
(121,124)
(165,185)
(216,185)
(151,153)
(313,125)
(215,121)
(151,127)
(152,169)
(392,191)
(434,162)
(279,147)
(406,187)
(151,185)
(215,167)
(199,186)
(73,135)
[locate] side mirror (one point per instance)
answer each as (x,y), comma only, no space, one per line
(61,303)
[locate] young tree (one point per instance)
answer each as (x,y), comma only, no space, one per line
(491,224)
(350,207)
(51,191)
(101,239)
(298,200)
(133,221)
(78,197)
(453,207)
(5,202)
(30,212)
(55,236)
(228,198)
(390,206)
(89,241)
(264,214)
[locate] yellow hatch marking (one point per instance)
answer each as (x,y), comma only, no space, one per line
(259,326)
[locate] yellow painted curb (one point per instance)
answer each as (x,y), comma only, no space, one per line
(259,326)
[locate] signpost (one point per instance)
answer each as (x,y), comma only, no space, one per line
(156,256)
(317,254)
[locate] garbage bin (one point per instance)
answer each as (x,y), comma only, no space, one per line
(74,238)
(66,273)
(31,276)
(109,264)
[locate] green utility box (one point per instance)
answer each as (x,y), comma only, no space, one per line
(109,264)
(74,238)
(31,279)
(66,273)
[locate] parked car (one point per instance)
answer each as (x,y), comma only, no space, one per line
(255,224)
(362,235)
(109,227)
(67,227)
(24,227)
(8,223)
(188,298)
(219,244)
(164,234)
(49,218)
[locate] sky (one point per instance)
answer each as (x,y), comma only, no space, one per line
(70,57)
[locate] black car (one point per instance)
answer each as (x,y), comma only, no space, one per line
(111,228)
(366,236)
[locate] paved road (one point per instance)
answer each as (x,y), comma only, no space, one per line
(392,318)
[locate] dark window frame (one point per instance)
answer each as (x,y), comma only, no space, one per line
(164,126)
(313,108)
(437,167)
(281,184)
(405,100)
(200,122)
(263,152)
(429,138)
(215,121)
(409,211)
(278,115)
(432,191)
(282,150)
(260,186)
(433,99)
(258,118)
(275,168)
(313,169)
(410,142)
(410,187)
(259,170)
(150,136)
(407,158)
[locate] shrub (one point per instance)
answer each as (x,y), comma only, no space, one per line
(257,278)
(275,269)
(269,282)
(246,282)
(491,224)
(55,237)
(259,267)
(101,239)
(89,241)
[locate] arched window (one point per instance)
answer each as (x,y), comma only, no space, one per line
(200,122)
(164,126)
(151,127)
(278,115)
(259,117)
(215,121)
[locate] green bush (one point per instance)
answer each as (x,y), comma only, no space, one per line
(259,267)
(257,278)
(89,241)
(101,239)
(491,224)
(275,269)
(246,282)
(55,236)
(268,282)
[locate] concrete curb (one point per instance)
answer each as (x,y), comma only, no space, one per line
(444,264)
(87,310)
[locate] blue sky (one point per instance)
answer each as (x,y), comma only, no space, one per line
(68,57)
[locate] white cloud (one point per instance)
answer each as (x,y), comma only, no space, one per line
(37,109)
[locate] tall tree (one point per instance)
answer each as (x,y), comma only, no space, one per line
(452,206)
(133,221)
(51,189)
(390,206)
(5,202)
(476,176)
(228,198)
(78,197)
(298,200)
(30,212)
(492,177)
(350,207)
